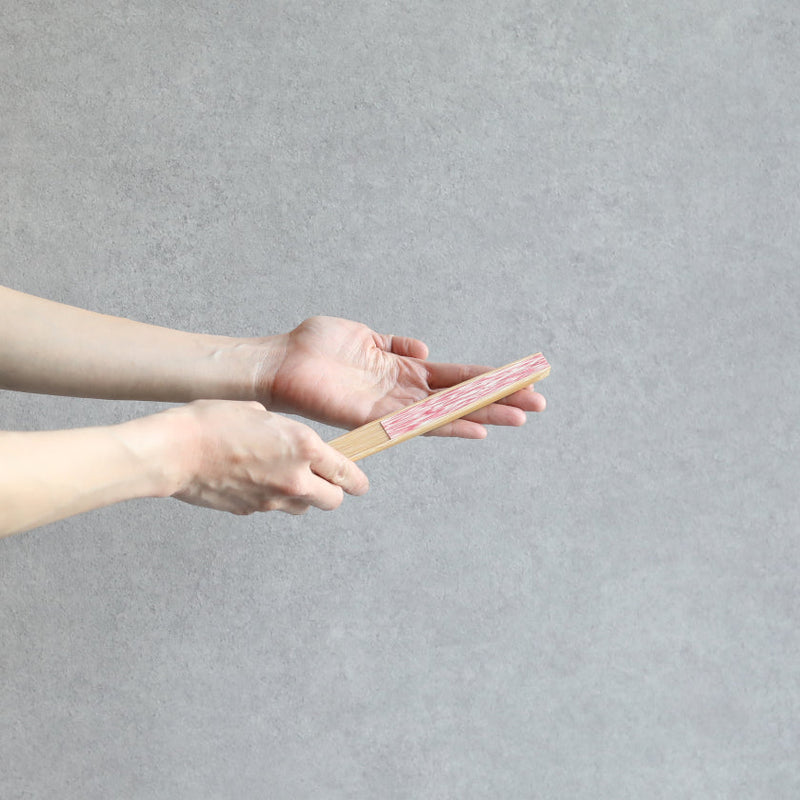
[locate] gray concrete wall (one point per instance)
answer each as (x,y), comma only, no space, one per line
(602,604)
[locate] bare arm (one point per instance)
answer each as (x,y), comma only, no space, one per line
(52,348)
(332,370)
(228,455)
(48,475)
(216,452)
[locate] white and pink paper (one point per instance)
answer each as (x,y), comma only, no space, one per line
(450,400)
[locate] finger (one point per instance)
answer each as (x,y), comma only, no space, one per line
(442,376)
(498,414)
(404,346)
(527,399)
(295,507)
(323,494)
(339,470)
(507,413)
(461,428)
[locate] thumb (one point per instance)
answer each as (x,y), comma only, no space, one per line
(404,346)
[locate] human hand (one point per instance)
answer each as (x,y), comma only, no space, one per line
(342,373)
(242,458)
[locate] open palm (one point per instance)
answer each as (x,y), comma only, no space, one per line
(342,373)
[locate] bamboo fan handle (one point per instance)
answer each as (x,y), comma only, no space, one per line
(440,408)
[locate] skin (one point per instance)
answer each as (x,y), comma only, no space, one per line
(342,373)
(226,448)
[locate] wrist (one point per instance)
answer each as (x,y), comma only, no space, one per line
(259,360)
(162,446)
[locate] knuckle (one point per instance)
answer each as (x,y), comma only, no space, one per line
(307,445)
(294,486)
(340,473)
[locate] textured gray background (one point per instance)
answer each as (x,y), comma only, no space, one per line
(601,604)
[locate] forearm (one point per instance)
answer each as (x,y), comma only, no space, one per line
(46,476)
(52,348)
(230,456)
